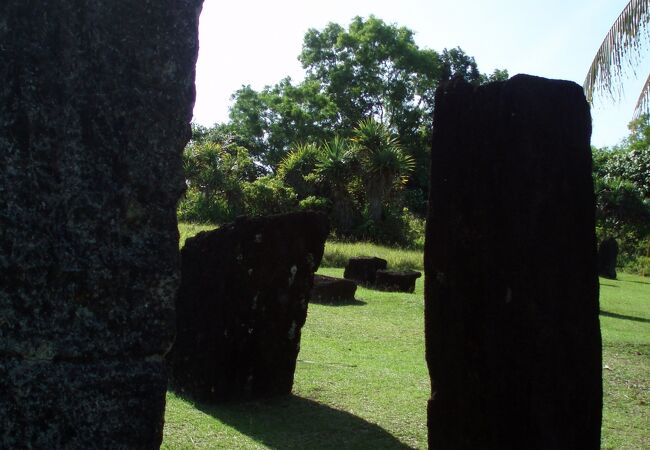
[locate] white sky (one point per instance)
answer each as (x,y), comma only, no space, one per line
(257,42)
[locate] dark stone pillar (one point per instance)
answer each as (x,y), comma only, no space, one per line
(512,333)
(95,103)
(607,255)
(241,305)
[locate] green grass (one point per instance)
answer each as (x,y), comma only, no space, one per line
(625,325)
(361,380)
(337,254)
(186,230)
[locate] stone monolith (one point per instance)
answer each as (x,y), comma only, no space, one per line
(511,289)
(241,306)
(95,103)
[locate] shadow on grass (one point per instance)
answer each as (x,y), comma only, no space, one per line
(608,284)
(354,302)
(624,317)
(635,281)
(299,423)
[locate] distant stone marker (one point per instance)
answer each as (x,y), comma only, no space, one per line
(396,280)
(95,104)
(241,306)
(511,288)
(332,290)
(364,268)
(607,256)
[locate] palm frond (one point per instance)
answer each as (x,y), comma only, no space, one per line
(620,48)
(643,103)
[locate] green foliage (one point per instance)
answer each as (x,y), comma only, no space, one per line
(314,203)
(268,195)
(384,166)
(215,174)
(622,186)
(298,164)
(280,116)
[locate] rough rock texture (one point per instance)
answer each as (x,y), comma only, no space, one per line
(332,290)
(241,305)
(363,269)
(511,317)
(95,103)
(607,255)
(398,280)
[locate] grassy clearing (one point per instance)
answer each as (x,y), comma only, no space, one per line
(337,254)
(186,230)
(625,324)
(361,380)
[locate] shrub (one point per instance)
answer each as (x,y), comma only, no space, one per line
(268,195)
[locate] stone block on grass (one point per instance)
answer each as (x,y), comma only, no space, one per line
(241,306)
(363,269)
(332,290)
(396,280)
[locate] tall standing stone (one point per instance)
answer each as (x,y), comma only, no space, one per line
(512,332)
(242,304)
(95,103)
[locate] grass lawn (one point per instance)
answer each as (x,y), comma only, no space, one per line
(361,380)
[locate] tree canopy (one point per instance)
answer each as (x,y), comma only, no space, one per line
(369,70)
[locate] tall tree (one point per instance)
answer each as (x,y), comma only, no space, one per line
(621,48)
(281,116)
(372,69)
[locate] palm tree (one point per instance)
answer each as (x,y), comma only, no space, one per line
(621,47)
(384,164)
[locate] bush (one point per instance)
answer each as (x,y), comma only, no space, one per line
(268,195)
(314,203)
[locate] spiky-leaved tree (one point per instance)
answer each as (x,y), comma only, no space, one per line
(621,49)
(333,172)
(384,164)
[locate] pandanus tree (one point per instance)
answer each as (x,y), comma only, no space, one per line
(384,165)
(620,50)
(333,172)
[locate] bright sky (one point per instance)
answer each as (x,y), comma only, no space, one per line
(257,42)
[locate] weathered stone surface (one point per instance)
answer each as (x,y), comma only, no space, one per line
(332,290)
(95,103)
(363,269)
(396,280)
(242,303)
(511,288)
(607,255)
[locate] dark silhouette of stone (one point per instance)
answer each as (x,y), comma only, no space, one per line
(363,269)
(511,289)
(607,255)
(95,104)
(332,290)
(241,305)
(396,280)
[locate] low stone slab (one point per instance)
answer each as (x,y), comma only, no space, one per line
(363,268)
(396,281)
(241,306)
(332,290)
